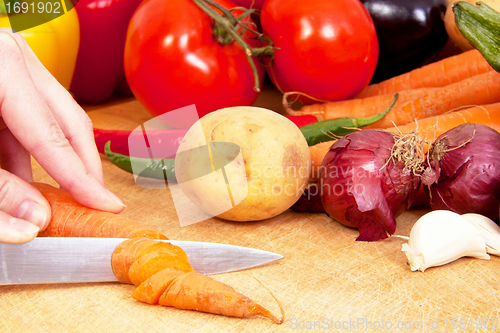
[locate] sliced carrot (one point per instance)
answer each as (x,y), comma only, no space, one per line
(153,262)
(152,288)
(157,273)
(195,291)
(124,256)
(130,250)
(71,219)
(437,74)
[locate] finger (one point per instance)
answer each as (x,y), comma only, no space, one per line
(73,120)
(13,230)
(22,201)
(32,123)
(13,157)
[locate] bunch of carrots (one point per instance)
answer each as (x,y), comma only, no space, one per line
(436,97)
(160,270)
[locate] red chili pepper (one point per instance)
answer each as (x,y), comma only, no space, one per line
(303,120)
(162,143)
(99,67)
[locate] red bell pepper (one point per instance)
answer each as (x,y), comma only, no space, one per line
(303,120)
(121,141)
(99,65)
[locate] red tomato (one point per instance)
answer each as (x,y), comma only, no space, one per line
(325,49)
(256,4)
(172,60)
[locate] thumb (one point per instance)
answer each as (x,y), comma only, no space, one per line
(23,209)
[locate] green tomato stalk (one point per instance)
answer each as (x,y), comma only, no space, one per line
(229,29)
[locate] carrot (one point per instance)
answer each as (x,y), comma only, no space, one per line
(131,250)
(318,152)
(150,290)
(438,74)
(70,219)
(160,269)
(153,262)
(476,90)
(362,107)
(195,291)
(480,89)
(428,129)
(164,276)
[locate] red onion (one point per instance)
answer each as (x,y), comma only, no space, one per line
(464,171)
(368,178)
(310,200)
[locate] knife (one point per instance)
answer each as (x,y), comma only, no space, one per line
(80,259)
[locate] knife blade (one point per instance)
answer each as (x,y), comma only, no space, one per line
(78,259)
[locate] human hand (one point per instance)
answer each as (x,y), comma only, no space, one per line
(38,117)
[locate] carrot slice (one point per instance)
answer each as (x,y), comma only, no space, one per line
(153,262)
(130,250)
(151,289)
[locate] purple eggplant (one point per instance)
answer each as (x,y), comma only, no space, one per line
(410,33)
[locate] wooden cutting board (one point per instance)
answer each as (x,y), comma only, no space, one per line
(327,280)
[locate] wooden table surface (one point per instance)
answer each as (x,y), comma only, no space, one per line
(327,280)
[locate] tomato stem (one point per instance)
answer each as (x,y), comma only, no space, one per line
(226,31)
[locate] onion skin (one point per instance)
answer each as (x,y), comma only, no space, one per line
(465,179)
(361,185)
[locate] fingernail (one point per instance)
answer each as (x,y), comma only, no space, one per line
(32,212)
(24,227)
(115,198)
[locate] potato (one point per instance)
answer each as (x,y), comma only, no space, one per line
(449,22)
(259,165)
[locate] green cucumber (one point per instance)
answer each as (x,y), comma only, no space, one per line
(480,25)
(3,10)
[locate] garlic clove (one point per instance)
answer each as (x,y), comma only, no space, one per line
(440,237)
(488,229)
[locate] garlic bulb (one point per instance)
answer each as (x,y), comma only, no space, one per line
(488,229)
(440,237)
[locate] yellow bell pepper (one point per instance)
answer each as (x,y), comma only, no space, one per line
(55,43)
